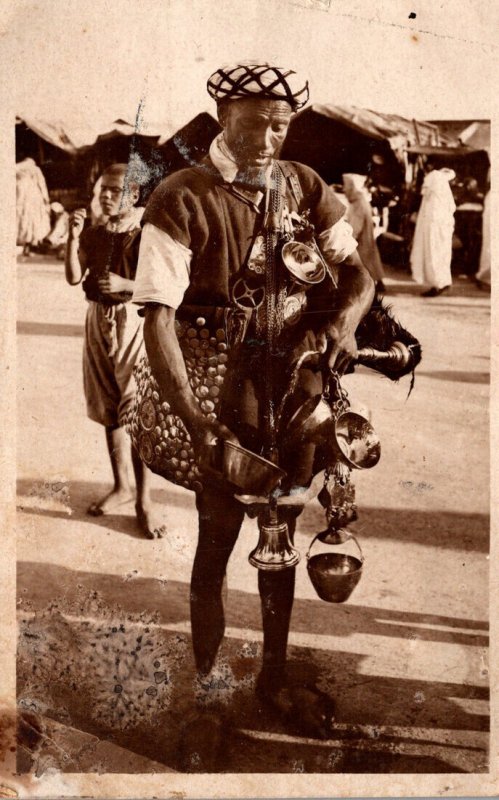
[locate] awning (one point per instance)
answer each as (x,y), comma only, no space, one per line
(75,136)
(399,132)
(476,135)
(66,136)
(450,152)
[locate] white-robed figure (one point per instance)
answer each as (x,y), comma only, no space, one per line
(483,276)
(431,252)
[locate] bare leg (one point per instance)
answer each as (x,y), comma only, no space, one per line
(147,514)
(296,698)
(276,593)
(220,519)
(205,733)
(118,448)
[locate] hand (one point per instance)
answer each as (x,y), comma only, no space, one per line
(110,283)
(337,342)
(76,222)
(206,435)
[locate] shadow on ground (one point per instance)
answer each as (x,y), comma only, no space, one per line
(402,283)
(467,532)
(48,329)
(80,494)
(79,662)
(456,375)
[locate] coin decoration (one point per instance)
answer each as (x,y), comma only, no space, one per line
(159,436)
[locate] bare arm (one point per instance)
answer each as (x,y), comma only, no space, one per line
(75,261)
(353,299)
(168,367)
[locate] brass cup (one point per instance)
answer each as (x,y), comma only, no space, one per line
(309,421)
(357,441)
(303,262)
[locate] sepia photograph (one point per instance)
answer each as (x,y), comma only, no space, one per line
(252,413)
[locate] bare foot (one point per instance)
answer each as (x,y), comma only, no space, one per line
(149,522)
(111,502)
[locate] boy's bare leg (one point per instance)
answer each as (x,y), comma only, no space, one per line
(118,448)
(147,512)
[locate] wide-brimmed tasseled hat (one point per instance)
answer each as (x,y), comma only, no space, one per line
(264,80)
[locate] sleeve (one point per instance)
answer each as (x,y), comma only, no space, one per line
(337,242)
(163,269)
(327,213)
(324,206)
(171,208)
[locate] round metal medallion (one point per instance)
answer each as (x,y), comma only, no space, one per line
(147,414)
(146,448)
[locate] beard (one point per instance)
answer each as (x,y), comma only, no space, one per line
(254,177)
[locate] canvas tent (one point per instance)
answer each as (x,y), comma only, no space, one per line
(467,132)
(72,154)
(469,158)
(477,135)
(76,135)
(336,139)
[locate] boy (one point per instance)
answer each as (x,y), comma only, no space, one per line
(104,257)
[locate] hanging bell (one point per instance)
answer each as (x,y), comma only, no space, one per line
(274,550)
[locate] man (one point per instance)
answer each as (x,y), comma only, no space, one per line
(360,216)
(431,252)
(203,234)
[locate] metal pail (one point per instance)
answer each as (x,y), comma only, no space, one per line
(334,576)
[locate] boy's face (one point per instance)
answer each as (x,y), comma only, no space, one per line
(113,197)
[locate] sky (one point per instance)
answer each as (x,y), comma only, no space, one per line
(103,60)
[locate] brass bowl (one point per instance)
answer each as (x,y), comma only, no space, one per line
(249,472)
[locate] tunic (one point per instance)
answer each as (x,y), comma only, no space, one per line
(483,273)
(213,224)
(109,251)
(113,331)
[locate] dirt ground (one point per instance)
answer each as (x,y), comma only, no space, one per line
(105,667)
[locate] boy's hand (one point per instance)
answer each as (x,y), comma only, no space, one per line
(111,283)
(76,222)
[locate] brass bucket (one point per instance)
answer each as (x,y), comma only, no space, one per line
(334,576)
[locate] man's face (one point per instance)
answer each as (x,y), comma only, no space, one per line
(114,198)
(255,129)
